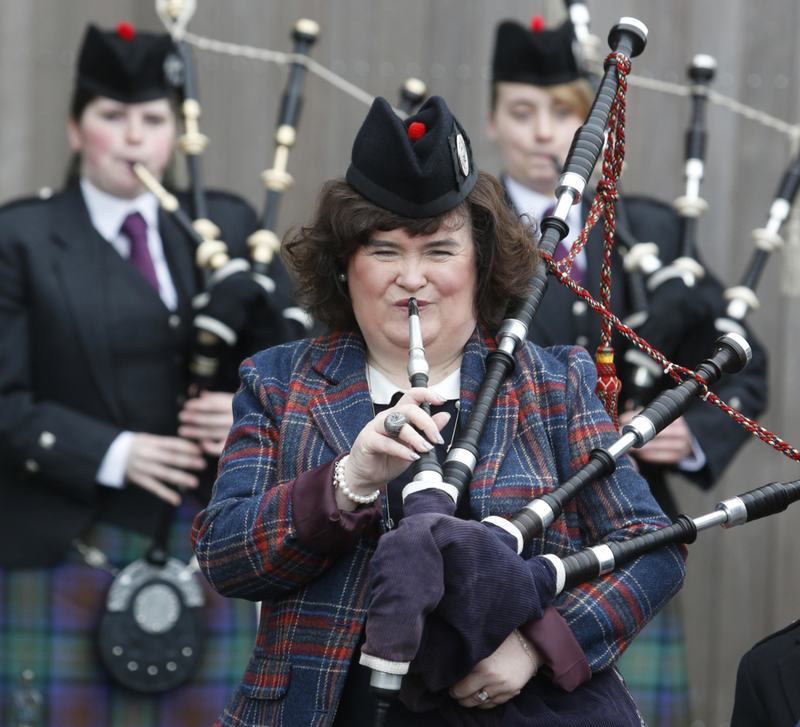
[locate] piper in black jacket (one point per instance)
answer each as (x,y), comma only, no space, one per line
(767,687)
(539,100)
(96,289)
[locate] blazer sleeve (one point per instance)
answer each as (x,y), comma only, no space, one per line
(245,540)
(40,439)
(748,706)
(608,612)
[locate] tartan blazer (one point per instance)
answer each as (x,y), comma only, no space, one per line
(302,404)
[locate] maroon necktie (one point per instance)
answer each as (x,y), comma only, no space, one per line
(562,250)
(136,229)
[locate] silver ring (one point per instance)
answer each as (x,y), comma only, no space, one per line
(394,423)
(483,695)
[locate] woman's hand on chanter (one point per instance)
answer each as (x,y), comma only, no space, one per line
(377,457)
(156,462)
(499,677)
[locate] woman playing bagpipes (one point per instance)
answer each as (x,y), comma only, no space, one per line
(326,432)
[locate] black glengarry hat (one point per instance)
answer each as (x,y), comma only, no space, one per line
(537,56)
(123,64)
(418,167)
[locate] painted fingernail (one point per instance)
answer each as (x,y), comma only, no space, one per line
(428,445)
(439,439)
(414,456)
(441,398)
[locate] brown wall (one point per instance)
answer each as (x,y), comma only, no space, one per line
(742,584)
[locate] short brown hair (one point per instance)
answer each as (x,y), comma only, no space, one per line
(505,249)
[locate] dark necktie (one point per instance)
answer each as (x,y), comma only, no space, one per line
(136,229)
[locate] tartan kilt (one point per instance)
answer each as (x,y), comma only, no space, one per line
(48,624)
(654,667)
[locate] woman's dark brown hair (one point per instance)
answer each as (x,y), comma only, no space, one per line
(505,248)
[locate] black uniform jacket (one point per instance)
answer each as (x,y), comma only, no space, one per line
(768,682)
(564,319)
(87,350)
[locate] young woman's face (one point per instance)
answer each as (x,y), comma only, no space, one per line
(532,129)
(112,135)
(438,270)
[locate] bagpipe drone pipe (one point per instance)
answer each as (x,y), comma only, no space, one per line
(679,297)
(412,94)
(244,301)
(264,244)
(663,297)
(742,298)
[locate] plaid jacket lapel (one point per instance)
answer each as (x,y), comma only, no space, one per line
(342,408)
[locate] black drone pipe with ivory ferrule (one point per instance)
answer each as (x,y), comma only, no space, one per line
(627,38)
(731,355)
(598,560)
(264,243)
(742,298)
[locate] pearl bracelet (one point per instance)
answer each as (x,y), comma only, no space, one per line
(340,484)
(527,650)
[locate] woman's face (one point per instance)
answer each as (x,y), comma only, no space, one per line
(530,128)
(112,135)
(438,270)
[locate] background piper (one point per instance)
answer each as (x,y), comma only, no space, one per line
(95,428)
(539,99)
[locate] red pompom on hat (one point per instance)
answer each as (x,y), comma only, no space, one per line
(126,31)
(416,130)
(537,23)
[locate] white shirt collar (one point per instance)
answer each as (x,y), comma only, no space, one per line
(526,200)
(382,390)
(109,212)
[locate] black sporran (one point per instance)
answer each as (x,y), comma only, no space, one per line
(151,635)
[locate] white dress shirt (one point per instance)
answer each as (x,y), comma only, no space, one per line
(382,390)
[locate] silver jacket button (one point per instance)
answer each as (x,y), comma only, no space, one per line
(47,440)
